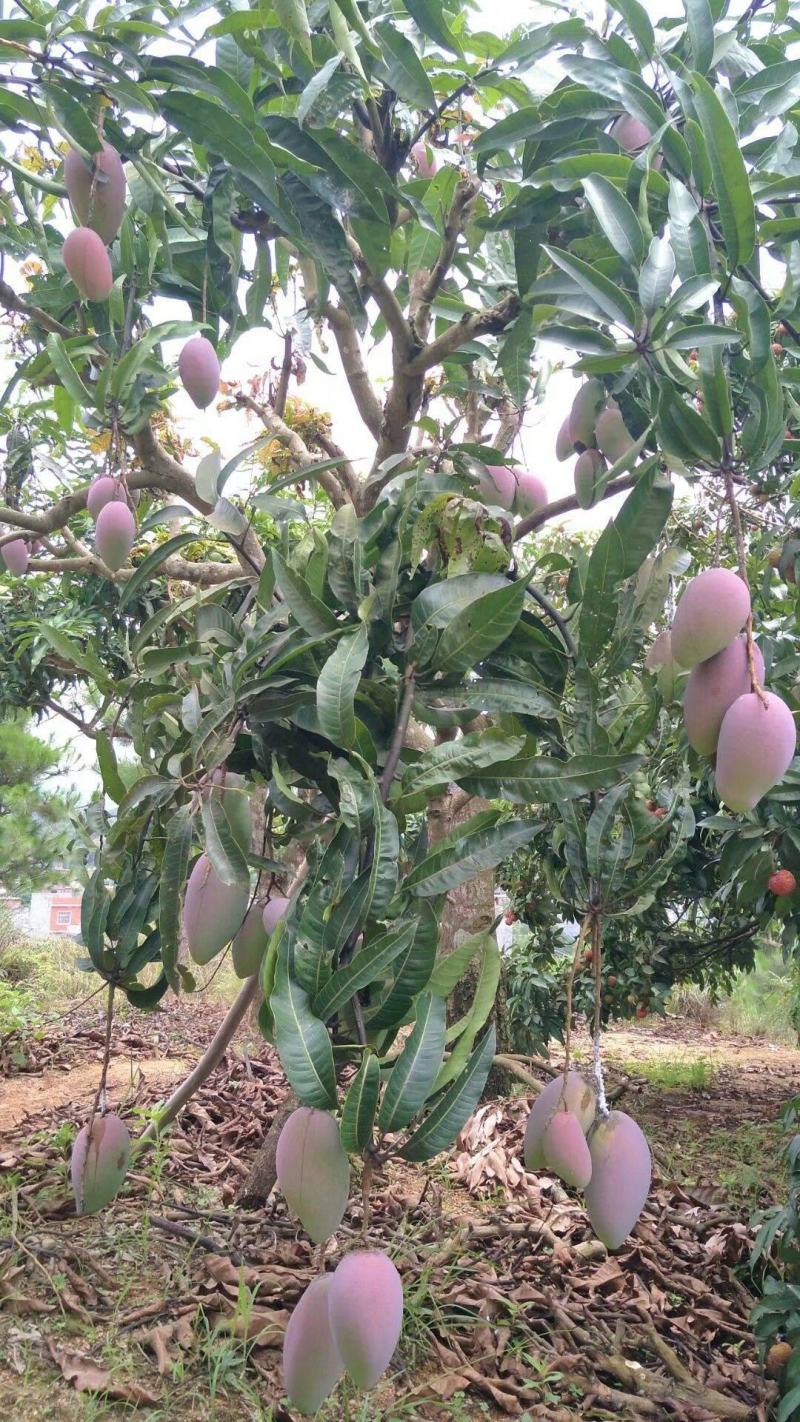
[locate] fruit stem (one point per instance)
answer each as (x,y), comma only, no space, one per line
(736,521)
(99,1103)
(585,926)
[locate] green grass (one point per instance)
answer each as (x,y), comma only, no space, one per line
(745,1161)
(761,1002)
(675,1073)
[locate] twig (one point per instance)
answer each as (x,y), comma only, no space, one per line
(568,1008)
(401,727)
(555,616)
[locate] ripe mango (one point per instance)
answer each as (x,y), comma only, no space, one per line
(88,264)
(198,367)
(756,746)
(588,467)
(621,1174)
(565,446)
(105,211)
(712,688)
(249,943)
(313,1171)
(586,407)
(712,610)
(212,911)
(565,1150)
(312,1364)
(16,556)
(630,133)
(498,485)
(531,493)
(115,534)
(578,1097)
(102,491)
(611,435)
(366,1314)
(425,159)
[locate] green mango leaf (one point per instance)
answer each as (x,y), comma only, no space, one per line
(700,24)
(427,14)
(406,74)
(337,686)
(612,300)
(222,847)
(174,867)
(470,850)
(113,784)
(476,630)
(306,608)
(466,1030)
(150,565)
(70,651)
(541,780)
(411,971)
(638,21)
(293,18)
(367,966)
(360,1105)
(302,1041)
(416,1068)
(684,432)
(452,759)
(67,374)
(618,553)
(95,908)
(450,970)
(617,218)
(655,278)
(316,87)
(514,357)
(454,1107)
(731,181)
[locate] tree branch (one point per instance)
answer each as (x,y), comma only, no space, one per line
(490,319)
(555,616)
(12,302)
(298,449)
(353,364)
(461,207)
(569,502)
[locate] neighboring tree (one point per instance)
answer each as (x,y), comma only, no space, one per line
(37,834)
(376,654)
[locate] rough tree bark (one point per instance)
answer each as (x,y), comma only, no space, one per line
(468,910)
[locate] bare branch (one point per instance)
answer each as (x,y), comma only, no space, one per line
(386,301)
(461,207)
(298,449)
(569,502)
(12,302)
(492,319)
(286,371)
(354,366)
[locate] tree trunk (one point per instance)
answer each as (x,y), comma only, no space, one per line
(259,1183)
(468,910)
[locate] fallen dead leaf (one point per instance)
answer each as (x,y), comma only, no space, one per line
(87,1376)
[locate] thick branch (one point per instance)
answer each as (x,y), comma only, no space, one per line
(460,209)
(353,364)
(12,302)
(569,502)
(386,301)
(298,449)
(490,319)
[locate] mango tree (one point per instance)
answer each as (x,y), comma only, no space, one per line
(313,668)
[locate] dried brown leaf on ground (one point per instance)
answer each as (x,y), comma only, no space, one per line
(87,1376)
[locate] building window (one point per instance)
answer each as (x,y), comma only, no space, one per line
(64,917)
